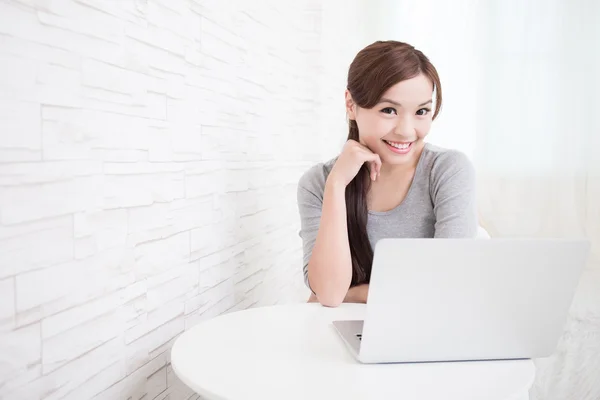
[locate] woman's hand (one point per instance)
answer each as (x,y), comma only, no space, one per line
(352,158)
(356,294)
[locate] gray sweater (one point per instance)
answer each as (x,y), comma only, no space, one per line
(440,202)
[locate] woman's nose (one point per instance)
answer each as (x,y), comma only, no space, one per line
(405,128)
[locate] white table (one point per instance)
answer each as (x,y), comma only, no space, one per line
(293,352)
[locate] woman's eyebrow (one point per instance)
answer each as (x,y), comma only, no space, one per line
(386,100)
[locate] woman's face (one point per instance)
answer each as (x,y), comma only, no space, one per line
(396,126)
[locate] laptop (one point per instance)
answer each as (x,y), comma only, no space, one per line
(435,300)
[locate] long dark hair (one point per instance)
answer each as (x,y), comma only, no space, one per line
(373,71)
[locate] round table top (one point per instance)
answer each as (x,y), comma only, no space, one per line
(293,352)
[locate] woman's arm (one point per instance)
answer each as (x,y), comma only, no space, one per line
(329,268)
(327,258)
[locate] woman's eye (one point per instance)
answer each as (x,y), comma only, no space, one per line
(423,111)
(389,110)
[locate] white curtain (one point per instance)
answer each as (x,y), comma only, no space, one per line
(537,135)
(521,89)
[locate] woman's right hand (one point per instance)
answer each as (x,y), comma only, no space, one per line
(352,158)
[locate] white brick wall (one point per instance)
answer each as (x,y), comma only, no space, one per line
(149,154)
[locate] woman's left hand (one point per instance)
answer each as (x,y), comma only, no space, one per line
(356,294)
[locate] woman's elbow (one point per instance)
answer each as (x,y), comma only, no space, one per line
(327,297)
(330,298)
(330,301)
(328,292)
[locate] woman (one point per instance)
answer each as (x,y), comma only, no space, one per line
(387,182)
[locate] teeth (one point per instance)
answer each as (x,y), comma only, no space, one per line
(399,145)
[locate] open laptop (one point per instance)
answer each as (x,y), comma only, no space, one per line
(466,299)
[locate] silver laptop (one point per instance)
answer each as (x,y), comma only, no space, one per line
(466,299)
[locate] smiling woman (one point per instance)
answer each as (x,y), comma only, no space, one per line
(387,182)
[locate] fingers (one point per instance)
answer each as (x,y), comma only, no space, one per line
(374,165)
(378,163)
(365,155)
(373,159)
(373,171)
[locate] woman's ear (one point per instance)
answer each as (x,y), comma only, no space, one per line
(350,106)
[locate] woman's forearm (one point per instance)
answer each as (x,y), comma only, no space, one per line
(330,265)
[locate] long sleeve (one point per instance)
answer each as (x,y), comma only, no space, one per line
(310,191)
(453,192)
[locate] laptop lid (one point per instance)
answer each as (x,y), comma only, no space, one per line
(469,299)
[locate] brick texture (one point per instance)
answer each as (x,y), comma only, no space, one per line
(149,154)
